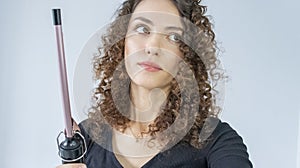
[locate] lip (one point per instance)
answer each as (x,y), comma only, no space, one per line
(150,66)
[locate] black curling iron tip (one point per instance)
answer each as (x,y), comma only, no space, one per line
(56,16)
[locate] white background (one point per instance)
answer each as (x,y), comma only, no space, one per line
(260,40)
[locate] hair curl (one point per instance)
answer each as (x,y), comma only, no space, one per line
(200,54)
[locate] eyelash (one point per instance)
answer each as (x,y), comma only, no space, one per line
(176,37)
(138,27)
(142,29)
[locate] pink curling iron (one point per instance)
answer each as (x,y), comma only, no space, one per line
(73,148)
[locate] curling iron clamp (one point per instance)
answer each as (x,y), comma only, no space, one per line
(73,148)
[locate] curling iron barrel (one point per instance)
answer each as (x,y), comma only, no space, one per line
(73,148)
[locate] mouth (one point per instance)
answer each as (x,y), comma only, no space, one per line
(150,66)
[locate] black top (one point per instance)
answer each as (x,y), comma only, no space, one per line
(225,150)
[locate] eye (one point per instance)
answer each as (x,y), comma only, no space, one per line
(174,37)
(142,29)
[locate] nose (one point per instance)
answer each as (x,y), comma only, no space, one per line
(153,45)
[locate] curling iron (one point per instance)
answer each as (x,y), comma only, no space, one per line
(73,148)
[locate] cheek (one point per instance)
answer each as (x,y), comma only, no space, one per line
(177,60)
(173,67)
(132,45)
(132,54)
(176,51)
(170,61)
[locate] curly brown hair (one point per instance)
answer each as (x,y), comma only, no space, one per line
(200,53)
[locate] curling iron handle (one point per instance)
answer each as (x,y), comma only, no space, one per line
(72,150)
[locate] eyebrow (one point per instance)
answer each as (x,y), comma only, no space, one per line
(144,20)
(174,28)
(148,21)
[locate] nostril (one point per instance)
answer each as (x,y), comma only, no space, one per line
(152,51)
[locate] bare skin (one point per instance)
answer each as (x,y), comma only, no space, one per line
(72,166)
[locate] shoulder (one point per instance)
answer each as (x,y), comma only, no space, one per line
(84,127)
(224,131)
(95,133)
(227,148)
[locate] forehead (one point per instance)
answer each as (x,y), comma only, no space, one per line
(165,6)
(160,12)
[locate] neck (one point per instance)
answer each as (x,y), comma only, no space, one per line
(146,103)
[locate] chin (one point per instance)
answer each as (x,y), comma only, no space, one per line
(149,82)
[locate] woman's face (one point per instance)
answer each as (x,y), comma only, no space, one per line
(152,44)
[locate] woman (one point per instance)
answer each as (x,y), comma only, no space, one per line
(154,105)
